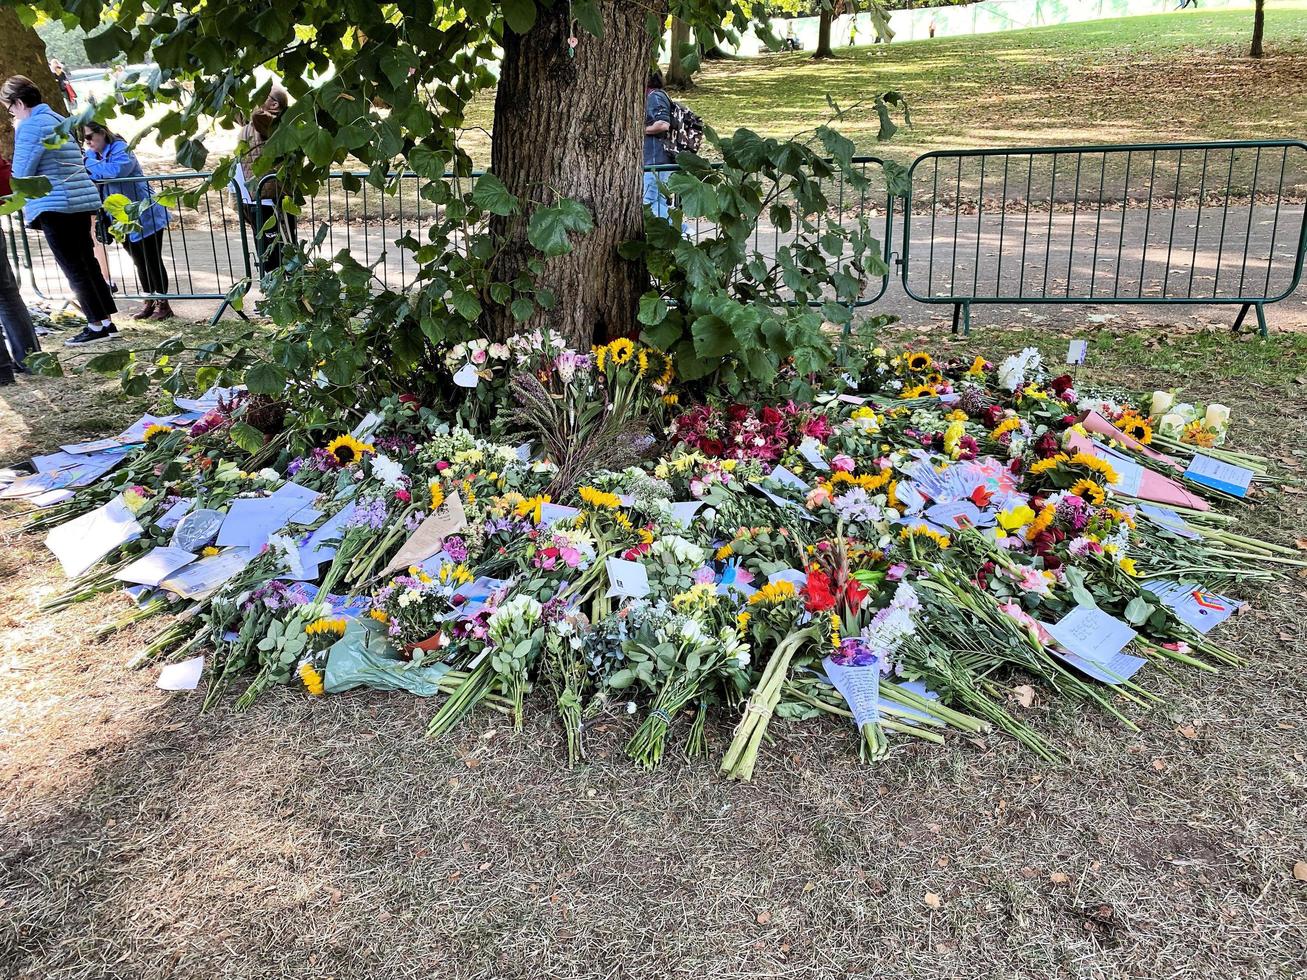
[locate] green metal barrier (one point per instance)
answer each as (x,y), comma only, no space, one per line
(1144,223)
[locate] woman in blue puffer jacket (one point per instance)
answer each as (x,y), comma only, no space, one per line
(110,161)
(64,214)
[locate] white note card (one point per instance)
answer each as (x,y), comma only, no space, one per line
(1226,477)
(84,540)
(155,566)
(627,579)
(1076,351)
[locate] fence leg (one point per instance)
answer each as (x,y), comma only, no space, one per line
(962,319)
(222,308)
(1243,312)
(1261,320)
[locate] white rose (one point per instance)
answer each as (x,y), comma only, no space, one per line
(1171,424)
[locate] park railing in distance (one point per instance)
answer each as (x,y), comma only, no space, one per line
(1143,223)
(206,249)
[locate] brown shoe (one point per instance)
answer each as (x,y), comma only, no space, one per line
(145,312)
(162,311)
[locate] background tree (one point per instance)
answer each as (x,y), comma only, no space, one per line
(1259,27)
(823,49)
(682,56)
(22,52)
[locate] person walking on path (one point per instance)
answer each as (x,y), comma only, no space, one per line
(110,161)
(657,124)
(19,336)
(64,214)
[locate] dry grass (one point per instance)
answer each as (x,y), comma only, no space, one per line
(140,839)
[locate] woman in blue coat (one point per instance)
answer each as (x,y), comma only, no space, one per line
(110,161)
(64,214)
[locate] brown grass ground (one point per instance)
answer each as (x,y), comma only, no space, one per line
(141,839)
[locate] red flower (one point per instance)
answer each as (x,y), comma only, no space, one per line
(403,495)
(818,592)
(981,496)
(410,402)
(711,447)
(1060,384)
(771,417)
(818,427)
(1046,447)
(854,593)
(737,412)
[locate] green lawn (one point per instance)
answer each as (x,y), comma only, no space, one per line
(1180,75)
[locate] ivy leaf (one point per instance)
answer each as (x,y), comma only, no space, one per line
(713,338)
(191,154)
(246,437)
(106,45)
(522,309)
(520,15)
(588,16)
(549,226)
(467,305)
(491,195)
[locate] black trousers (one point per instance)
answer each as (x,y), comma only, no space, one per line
(69,238)
(268,243)
(147,256)
(19,337)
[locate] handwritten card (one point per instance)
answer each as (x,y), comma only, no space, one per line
(1226,477)
(467,377)
(683,511)
(860,687)
(787,479)
(626,579)
(171,517)
(363,431)
(202,578)
(782,503)
(251,521)
(1129,474)
(1076,351)
(429,536)
(810,450)
(84,540)
(1095,642)
(1166,518)
(553,513)
(1192,604)
(960,515)
(98,446)
(155,566)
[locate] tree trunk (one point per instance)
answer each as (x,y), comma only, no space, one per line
(22,52)
(1259,28)
(823,36)
(677,75)
(573,127)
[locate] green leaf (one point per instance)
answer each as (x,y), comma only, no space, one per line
(320,148)
(466,303)
(265,379)
(1138,610)
(491,195)
(31,187)
(653,309)
(522,309)
(520,15)
(712,337)
(108,44)
(548,227)
(588,16)
(44,363)
(109,362)
(191,154)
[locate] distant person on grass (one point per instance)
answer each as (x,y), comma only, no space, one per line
(109,160)
(64,214)
(19,338)
(657,124)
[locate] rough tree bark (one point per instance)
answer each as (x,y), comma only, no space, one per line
(823,36)
(22,52)
(1259,28)
(573,127)
(677,76)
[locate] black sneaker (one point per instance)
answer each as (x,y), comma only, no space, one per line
(90,336)
(113,328)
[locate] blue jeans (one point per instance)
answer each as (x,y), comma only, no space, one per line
(653,195)
(19,337)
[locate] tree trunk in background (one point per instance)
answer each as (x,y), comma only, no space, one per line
(22,52)
(823,36)
(1259,27)
(677,75)
(574,128)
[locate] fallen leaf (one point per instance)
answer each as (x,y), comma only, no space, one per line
(1024,695)
(1059,878)
(1159,765)
(941,861)
(1300,543)
(1188,731)
(809,887)
(933,900)
(1029,872)
(762,918)
(1300,870)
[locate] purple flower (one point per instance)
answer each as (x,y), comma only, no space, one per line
(294,466)
(370,512)
(456,548)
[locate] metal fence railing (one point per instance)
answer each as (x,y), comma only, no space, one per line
(206,249)
(1179,223)
(1145,223)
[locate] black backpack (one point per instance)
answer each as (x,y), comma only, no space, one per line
(686,133)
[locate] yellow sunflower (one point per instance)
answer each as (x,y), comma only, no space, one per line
(919,361)
(312,679)
(598,499)
(155,431)
(923,533)
(325,626)
(437,495)
(621,350)
(348,450)
(917,391)
(1088,490)
(773,593)
(1137,427)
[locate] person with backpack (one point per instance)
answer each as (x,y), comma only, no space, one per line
(657,125)
(63,214)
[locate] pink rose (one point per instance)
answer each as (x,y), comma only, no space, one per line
(843,463)
(479,356)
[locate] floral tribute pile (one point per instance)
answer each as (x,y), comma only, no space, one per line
(899,552)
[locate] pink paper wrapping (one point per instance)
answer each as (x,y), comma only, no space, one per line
(1098,425)
(1152,485)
